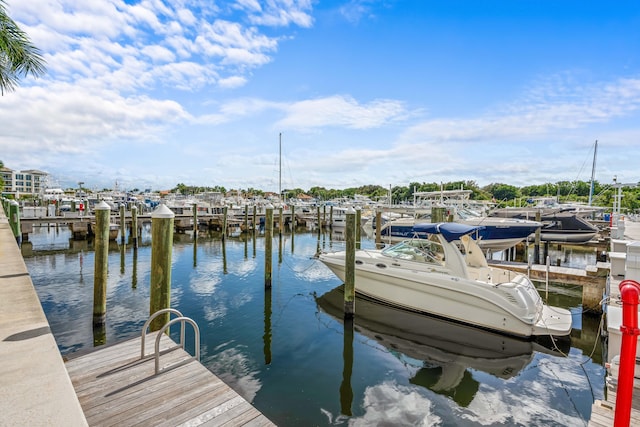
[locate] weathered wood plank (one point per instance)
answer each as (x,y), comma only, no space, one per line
(101,383)
(141,393)
(115,387)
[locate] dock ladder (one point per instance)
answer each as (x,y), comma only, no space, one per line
(180,319)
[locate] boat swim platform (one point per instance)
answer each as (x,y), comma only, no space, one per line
(592,279)
(117,387)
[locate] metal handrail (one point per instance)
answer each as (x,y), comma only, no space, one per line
(182,321)
(148,322)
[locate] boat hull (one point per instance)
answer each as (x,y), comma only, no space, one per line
(506,308)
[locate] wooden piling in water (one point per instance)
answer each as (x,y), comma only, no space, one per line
(253,223)
(123,223)
(161,246)
(378,230)
(246,219)
(268,246)
(280,220)
(358,227)
(102,213)
(224,223)
(195,220)
(331,217)
(134,227)
(350,265)
(536,243)
(293,218)
(324,215)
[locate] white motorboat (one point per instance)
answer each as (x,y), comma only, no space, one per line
(447,275)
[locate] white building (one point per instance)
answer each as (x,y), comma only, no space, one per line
(24,182)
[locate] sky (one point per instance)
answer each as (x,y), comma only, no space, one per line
(297,94)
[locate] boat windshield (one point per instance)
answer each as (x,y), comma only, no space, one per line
(429,251)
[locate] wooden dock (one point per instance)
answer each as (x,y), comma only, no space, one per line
(116,386)
(603,411)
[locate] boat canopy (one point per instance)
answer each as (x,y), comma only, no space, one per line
(450,230)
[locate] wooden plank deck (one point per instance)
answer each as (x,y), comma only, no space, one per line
(116,387)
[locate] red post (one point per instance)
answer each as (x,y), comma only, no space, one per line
(630,293)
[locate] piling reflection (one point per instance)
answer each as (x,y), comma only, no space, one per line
(99,334)
(267,326)
(346,392)
(134,269)
(223,242)
(123,252)
(254,233)
(448,351)
(195,249)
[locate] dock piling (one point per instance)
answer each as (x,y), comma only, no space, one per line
(268,246)
(134,227)
(101,263)
(123,223)
(195,220)
(350,263)
(161,246)
(378,230)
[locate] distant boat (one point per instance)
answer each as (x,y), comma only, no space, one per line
(433,276)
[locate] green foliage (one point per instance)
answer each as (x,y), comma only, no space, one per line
(18,56)
(191,189)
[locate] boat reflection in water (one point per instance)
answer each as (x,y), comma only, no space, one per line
(448,351)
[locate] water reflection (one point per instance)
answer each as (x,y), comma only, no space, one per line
(302,366)
(346,392)
(267,326)
(449,352)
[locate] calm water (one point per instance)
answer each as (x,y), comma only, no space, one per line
(289,352)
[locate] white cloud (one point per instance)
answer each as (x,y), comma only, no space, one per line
(342,111)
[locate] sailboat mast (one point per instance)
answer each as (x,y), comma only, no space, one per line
(593,171)
(280,169)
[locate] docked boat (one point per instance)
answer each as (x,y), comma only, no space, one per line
(557,226)
(446,274)
(494,233)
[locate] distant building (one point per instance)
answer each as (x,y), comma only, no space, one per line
(30,181)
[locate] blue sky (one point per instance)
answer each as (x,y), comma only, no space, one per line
(154,93)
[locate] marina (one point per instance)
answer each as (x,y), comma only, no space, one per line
(278,330)
(290,356)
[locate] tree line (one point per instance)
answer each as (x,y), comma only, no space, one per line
(503,195)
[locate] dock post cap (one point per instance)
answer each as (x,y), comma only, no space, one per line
(14,203)
(162,211)
(102,206)
(268,206)
(351,210)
